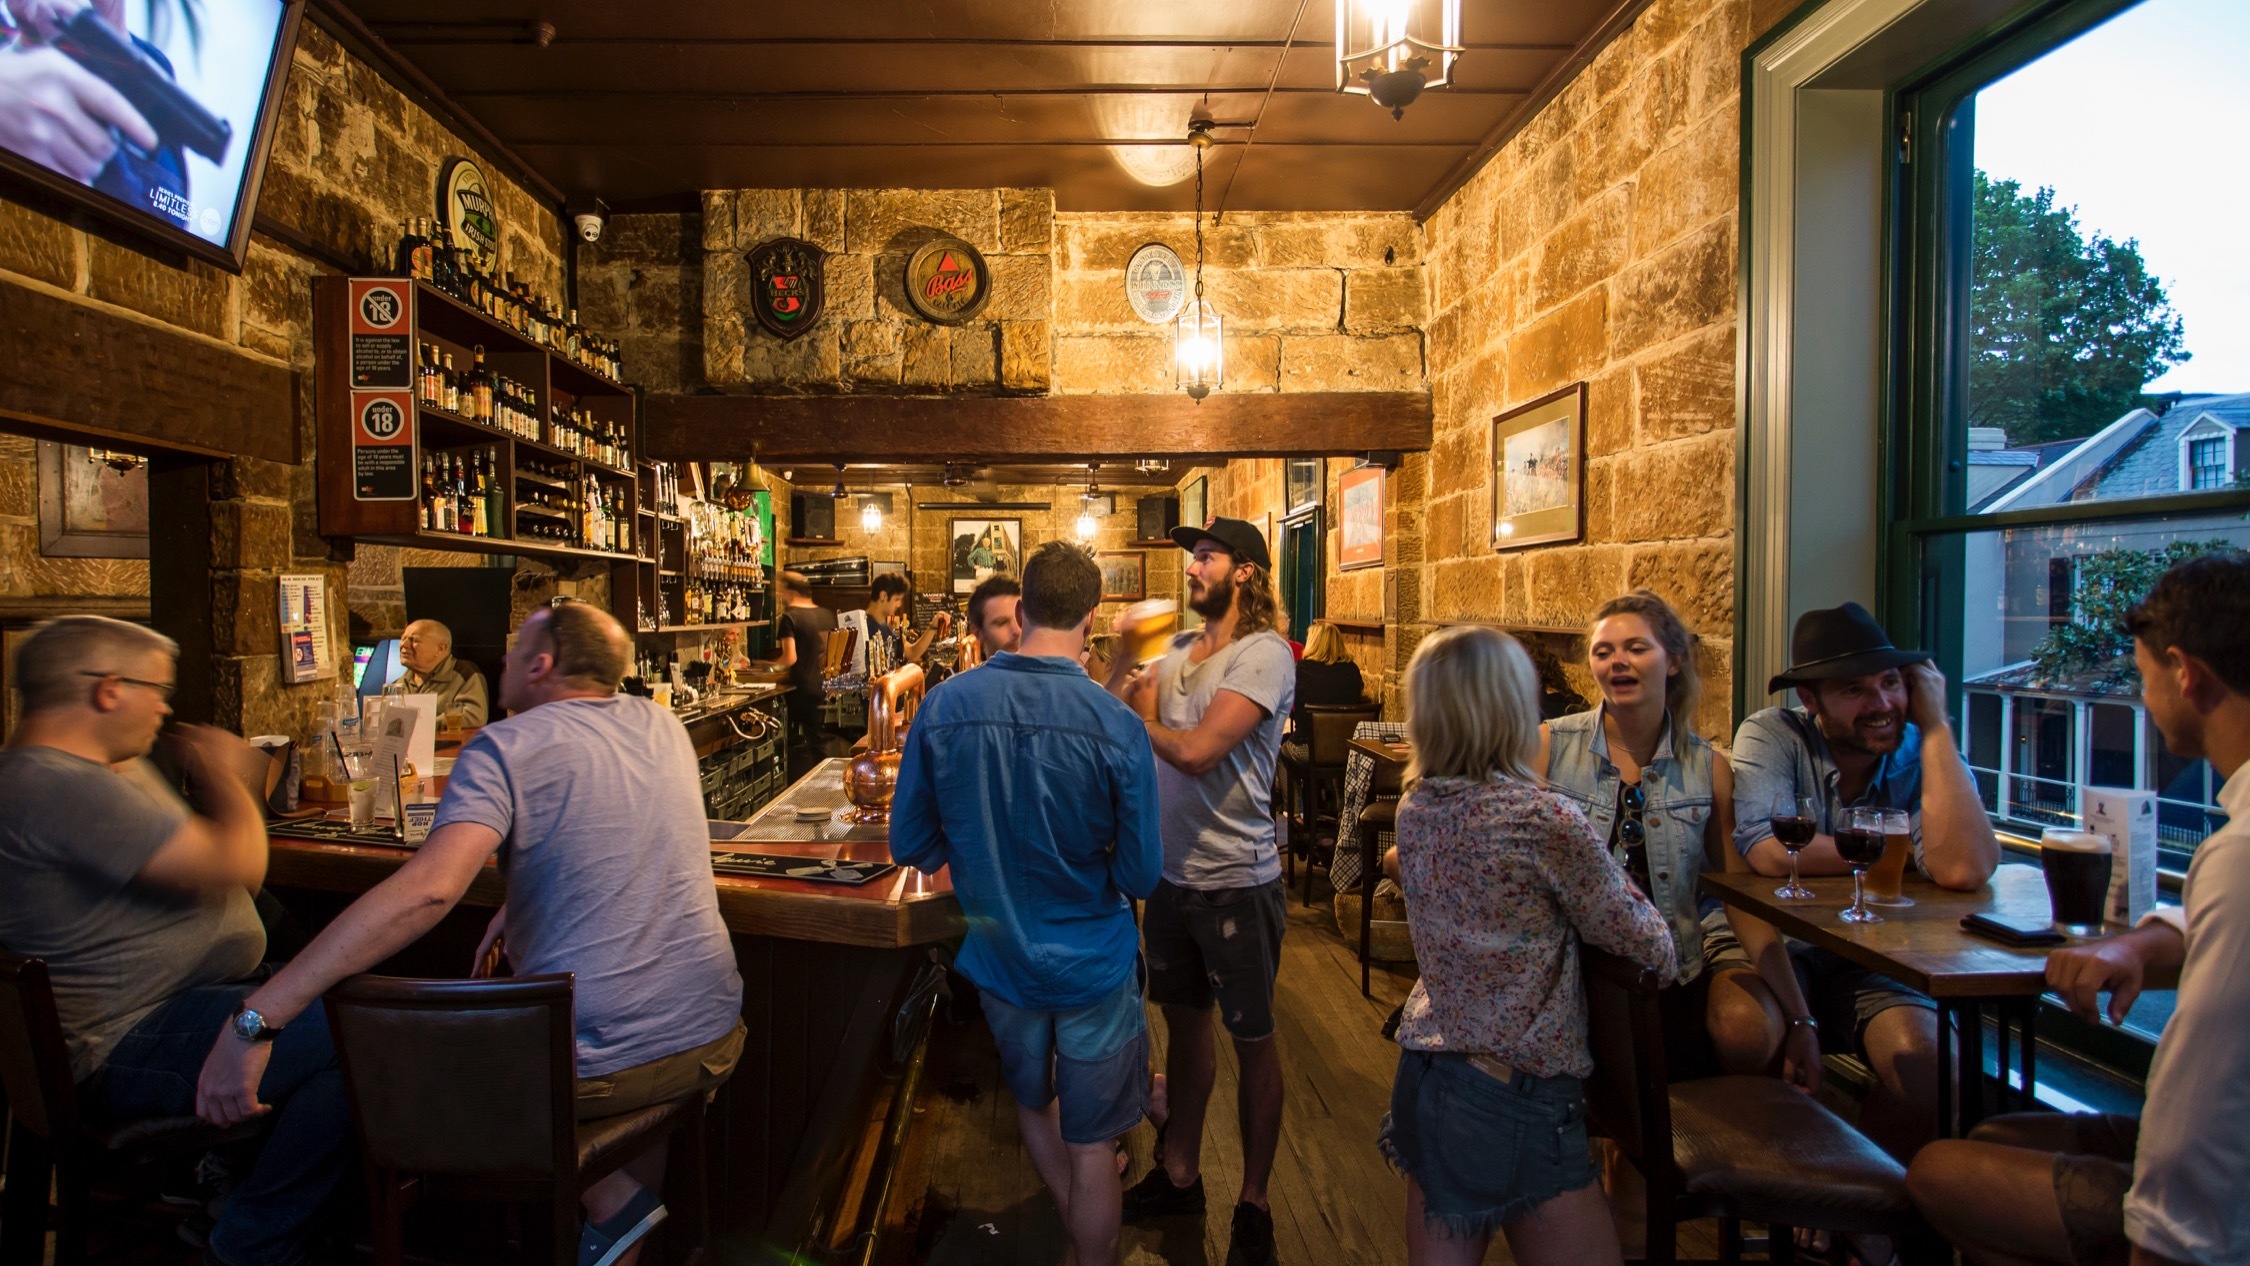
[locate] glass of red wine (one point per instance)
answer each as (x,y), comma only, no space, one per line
(1795,820)
(1859,841)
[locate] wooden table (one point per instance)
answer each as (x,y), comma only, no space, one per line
(1924,947)
(1384,753)
(1390,760)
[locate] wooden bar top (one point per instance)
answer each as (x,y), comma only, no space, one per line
(903,908)
(1922,945)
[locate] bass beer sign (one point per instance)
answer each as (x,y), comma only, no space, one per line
(786,286)
(947,282)
(382,389)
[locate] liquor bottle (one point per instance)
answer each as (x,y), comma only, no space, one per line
(480,386)
(451,378)
(429,492)
(495,506)
(413,251)
(572,334)
(464,519)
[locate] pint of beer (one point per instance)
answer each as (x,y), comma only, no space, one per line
(2077,865)
(1884,877)
(1143,628)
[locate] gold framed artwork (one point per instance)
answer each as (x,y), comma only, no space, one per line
(1124,575)
(88,508)
(1194,509)
(1359,527)
(1539,471)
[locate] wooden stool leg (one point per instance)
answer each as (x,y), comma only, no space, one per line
(71,1183)
(562,1226)
(1370,870)
(23,1220)
(691,1183)
(386,1215)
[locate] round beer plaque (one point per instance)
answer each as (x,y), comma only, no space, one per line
(1156,283)
(947,282)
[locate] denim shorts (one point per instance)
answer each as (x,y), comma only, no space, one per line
(1217,945)
(1094,1059)
(1485,1151)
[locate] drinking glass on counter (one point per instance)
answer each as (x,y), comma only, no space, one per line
(1885,876)
(1795,820)
(2077,866)
(359,767)
(1859,841)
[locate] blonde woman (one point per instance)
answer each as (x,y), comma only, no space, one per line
(1502,878)
(1326,674)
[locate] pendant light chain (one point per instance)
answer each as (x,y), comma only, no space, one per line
(1199,236)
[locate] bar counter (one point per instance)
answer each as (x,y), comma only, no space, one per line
(839,984)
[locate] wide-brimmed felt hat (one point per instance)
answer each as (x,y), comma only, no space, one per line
(1246,543)
(1840,642)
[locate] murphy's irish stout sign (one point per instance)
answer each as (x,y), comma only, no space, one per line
(946,281)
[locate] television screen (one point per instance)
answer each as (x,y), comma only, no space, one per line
(153,113)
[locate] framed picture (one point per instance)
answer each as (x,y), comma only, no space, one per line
(1301,484)
(87,509)
(1124,575)
(983,548)
(1194,510)
(887,567)
(1539,471)
(1359,527)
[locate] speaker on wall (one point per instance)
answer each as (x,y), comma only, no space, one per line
(812,516)
(1158,516)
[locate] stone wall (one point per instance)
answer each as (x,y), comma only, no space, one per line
(1307,301)
(1599,246)
(25,572)
(351,158)
(643,284)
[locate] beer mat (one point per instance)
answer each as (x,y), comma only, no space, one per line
(724,831)
(325,830)
(819,870)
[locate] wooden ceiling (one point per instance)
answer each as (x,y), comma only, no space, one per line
(645,105)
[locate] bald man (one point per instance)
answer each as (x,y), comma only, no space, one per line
(608,866)
(426,652)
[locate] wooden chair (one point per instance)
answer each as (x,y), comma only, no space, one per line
(470,1084)
(51,1139)
(1734,1148)
(1316,778)
(1379,815)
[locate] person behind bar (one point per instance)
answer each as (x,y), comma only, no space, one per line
(2100,1190)
(887,609)
(805,626)
(426,652)
(995,616)
(1038,790)
(1503,878)
(1215,705)
(142,909)
(1870,729)
(592,801)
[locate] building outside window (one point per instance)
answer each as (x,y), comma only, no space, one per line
(2208,464)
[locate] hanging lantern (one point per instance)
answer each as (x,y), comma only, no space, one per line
(1391,50)
(1086,524)
(870,515)
(1198,355)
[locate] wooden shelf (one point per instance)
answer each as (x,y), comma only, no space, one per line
(498,545)
(544,480)
(1166,543)
(714,624)
(1356,626)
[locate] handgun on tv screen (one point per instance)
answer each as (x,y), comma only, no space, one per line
(178,118)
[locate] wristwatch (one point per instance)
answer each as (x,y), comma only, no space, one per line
(252,1027)
(1803,1021)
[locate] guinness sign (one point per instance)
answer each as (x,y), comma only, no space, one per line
(786,289)
(947,282)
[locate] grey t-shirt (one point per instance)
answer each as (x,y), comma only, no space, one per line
(608,860)
(73,834)
(1218,829)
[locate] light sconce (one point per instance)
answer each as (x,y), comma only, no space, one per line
(122,463)
(1391,50)
(870,515)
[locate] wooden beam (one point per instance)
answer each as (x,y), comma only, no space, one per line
(75,369)
(780,429)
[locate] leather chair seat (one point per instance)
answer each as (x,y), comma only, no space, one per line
(1760,1141)
(630,1131)
(181,1133)
(1379,815)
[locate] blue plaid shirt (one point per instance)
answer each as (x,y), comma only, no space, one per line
(1782,750)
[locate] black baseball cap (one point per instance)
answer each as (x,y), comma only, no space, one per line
(1246,543)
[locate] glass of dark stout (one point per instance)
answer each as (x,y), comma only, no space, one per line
(1859,841)
(1795,820)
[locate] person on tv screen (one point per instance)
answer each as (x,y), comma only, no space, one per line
(60,115)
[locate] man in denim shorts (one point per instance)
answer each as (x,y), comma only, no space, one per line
(1038,790)
(1215,707)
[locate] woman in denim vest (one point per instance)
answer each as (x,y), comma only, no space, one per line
(1663,799)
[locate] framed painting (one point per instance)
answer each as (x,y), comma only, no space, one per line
(1301,484)
(1539,471)
(1124,575)
(89,509)
(979,549)
(1359,527)
(1194,502)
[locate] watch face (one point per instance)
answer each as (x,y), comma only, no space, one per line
(248,1025)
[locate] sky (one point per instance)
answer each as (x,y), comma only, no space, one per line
(2144,125)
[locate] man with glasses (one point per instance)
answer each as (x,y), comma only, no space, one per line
(426,652)
(141,907)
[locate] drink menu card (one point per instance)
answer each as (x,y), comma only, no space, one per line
(307,651)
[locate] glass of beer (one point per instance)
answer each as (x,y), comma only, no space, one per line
(1795,820)
(1143,628)
(2077,865)
(1884,877)
(1859,841)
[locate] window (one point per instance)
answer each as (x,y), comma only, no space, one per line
(2207,463)
(2052,289)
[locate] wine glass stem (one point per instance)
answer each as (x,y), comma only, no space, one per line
(1859,891)
(1793,884)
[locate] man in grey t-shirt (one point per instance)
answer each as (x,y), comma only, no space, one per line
(141,909)
(592,801)
(1215,707)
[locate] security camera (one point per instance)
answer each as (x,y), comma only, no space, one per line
(588,214)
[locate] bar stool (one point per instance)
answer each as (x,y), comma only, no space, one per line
(1316,771)
(50,1138)
(471,1084)
(1380,815)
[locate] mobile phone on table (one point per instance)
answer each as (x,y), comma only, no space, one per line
(2012,929)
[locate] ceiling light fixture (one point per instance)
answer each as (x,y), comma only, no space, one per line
(1386,49)
(1198,354)
(870,515)
(1086,523)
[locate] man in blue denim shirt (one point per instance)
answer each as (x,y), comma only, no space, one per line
(1870,731)
(1038,788)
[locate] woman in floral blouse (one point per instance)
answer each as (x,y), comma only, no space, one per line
(1502,878)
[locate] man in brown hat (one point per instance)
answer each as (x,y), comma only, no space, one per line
(1869,730)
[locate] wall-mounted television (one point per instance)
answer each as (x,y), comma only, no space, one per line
(152,114)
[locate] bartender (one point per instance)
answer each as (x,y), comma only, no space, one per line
(889,604)
(426,651)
